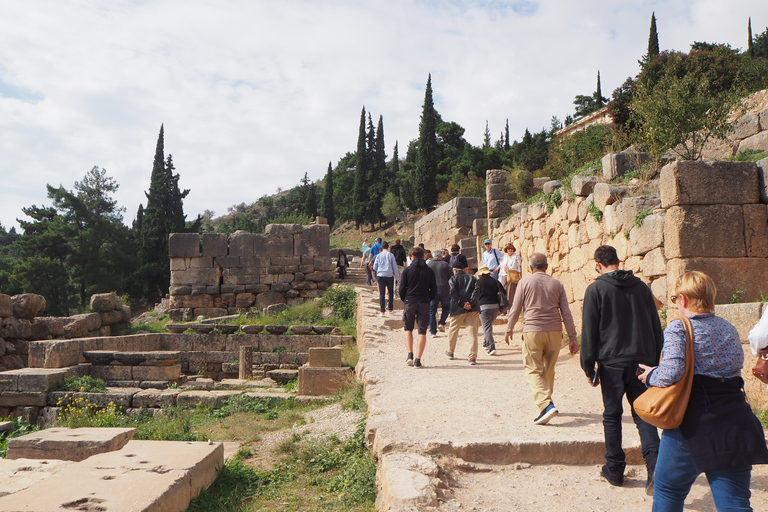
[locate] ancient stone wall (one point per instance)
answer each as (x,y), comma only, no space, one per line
(750,130)
(20,323)
(216,274)
(452,223)
(708,217)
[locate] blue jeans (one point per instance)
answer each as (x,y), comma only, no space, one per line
(445,305)
(387,283)
(615,382)
(675,475)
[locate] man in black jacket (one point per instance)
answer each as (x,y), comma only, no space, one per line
(443,274)
(620,328)
(398,251)
(465,309)
(417,289)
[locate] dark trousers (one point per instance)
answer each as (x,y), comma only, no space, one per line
(444,302)
(387,283)
(615,382)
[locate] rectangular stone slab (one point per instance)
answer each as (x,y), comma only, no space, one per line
(73,444)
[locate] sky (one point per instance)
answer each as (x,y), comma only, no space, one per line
(255,93)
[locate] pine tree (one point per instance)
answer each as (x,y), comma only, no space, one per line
(425,189)
(749,38)
(360,195)
(327,208)
(653,41)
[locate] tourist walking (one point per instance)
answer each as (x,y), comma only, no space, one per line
(546,310)
(492,258)
(488,297)
(342,263)
(720,435)
(456,255)
(465,310)
(620,328)
(417,289)
(366,263)
(443,274)
(398,251)
(511,271)
(387,274)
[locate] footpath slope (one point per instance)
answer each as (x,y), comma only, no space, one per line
(452,436)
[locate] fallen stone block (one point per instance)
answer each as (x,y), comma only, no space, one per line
(323,381)
(17,475)
(325,357)
(73,444)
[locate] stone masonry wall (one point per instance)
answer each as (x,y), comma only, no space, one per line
(452,223)
(709,216)
(216,274)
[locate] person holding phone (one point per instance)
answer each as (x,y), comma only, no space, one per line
(620,328)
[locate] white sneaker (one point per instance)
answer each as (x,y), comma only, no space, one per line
(382,314)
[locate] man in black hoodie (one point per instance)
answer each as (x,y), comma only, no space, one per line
(620,328)
(418,287)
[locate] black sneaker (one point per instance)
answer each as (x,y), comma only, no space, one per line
(409,359)
(547,414)
(649,483)
(613,479)
(417,364)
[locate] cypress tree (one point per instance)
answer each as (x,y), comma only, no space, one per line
(359,199)
(506,136)
(486,136)
(425,189)
(327,207)
(599,100)
(382,182)
(749,38)
(653,40)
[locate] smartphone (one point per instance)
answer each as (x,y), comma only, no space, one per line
(596,378)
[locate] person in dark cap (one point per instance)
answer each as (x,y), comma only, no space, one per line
(465,309)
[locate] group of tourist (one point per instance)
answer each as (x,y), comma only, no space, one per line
(623,350)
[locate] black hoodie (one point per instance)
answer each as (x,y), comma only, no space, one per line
(418,283)
(620,323)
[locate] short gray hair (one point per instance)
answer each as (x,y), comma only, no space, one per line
(538,261)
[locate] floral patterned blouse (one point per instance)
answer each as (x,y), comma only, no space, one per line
(716,346)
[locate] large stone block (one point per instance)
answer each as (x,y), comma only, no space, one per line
(496,176)
(196,276)
(12,327)
(21,399)
(323,381)
(28,305)
(61,443)
(703,183)
(496,191)
(742,316)
(756,142)
(745,126)
(111,372)
(648,236)
(6,305)
(654,263)
(704,231)
(183,245)
(762,167)
(277,246)
(172,372)
(105,302)
(583,185)
(40,379)
(283,229)
(80,325)
(500,208)
(215,244)
(325,357)
(155,398)
(606,194)
(730,275)
(241,244)
(659,289)
(268,298)
(614,165)
(756,230)
(627,209)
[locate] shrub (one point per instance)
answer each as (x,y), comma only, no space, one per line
(595,211)
(86,384)
(342,299)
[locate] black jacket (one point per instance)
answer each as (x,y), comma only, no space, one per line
(620,323)
(398,251)
(417,284)
(488,290)
(443,274)
(463,289)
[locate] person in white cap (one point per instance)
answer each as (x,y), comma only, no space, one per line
(492,258)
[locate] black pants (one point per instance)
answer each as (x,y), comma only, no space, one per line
(387,283)
(615,382)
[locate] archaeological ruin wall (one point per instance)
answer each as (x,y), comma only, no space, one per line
(217,274)
(459,221)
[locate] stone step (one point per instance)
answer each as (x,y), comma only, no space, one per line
(73,444)
(133,358)
(143,475)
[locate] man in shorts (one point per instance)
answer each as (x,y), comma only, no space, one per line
(418,287)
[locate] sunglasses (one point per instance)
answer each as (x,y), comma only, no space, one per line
(674,298)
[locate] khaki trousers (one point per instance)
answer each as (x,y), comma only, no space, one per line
(540,351)
(470,319)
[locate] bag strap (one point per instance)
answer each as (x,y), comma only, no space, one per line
(690,355)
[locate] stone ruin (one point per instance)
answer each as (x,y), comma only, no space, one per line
(218,274)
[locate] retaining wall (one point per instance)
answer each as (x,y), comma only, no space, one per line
(453,223)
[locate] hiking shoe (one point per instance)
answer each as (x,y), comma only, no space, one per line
(472,361)
(434,335)
(613,478)
(441,327)
(492,352)
(417,364)
(449,355)
(409,360)
(649,483)
(547,414)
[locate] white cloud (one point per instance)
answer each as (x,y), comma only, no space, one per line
(255,93)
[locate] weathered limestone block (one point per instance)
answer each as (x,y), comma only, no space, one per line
(729,274)
(704,231)
(537,210)
(695,182)
(496,191)
(12,327)
(197,276)
(196,398)
(583,185)
(408,482)
(762,167)
(215,244)
(241,244)
(268,298)
(323,381)
(320,276)
(80,325)
(6,305)
(745,126)
(654,263)
(659,289)
(277,246)
(742,316)
(756,230)
(111,372)
(210,312)
(69,444)
(227,262)
(648,236)
(105,302)
(39,380)
(758,141)
(172,372)
(325,357)
(716,149)
(244,300)
(183,245)
(614,165)
(28,305)
(191,301)
(606,194)
(155,398)
(496,176)
(112,317)
(627,210)
(283,229)
(551,186)
(500,208)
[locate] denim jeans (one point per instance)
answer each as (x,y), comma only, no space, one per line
(445,305)
(616,381)
(675,474)
(388,284)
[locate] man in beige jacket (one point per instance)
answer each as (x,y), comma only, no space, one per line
(546,309)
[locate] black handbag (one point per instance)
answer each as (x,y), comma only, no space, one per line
(502,296)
